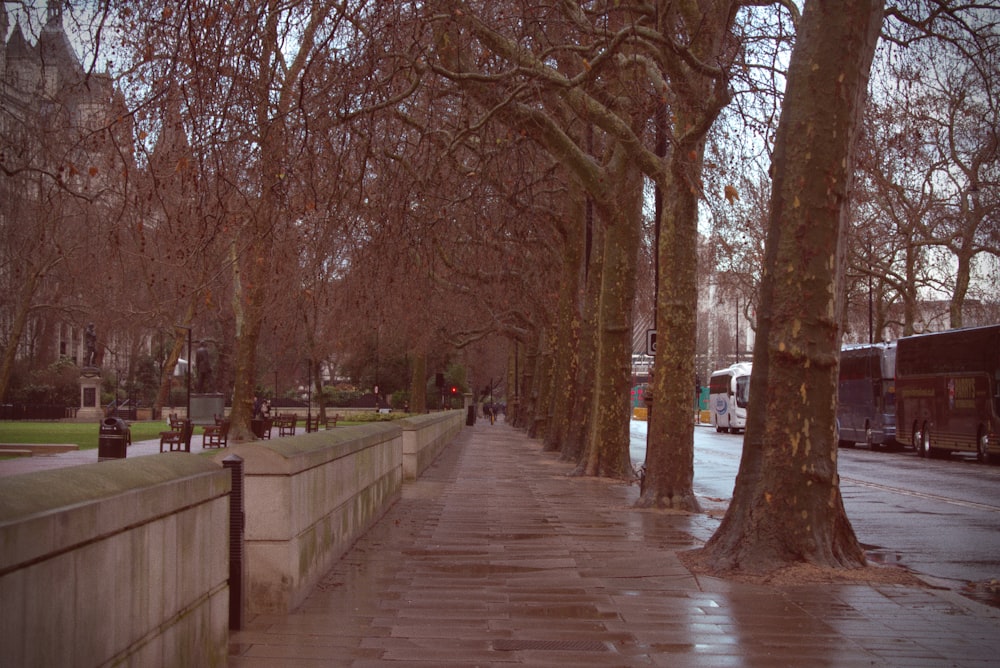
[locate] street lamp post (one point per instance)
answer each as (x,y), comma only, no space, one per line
(188,328)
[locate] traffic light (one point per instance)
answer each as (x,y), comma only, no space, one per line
(454,390)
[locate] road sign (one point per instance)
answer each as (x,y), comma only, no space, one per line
(651,342)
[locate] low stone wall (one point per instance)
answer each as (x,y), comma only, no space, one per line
(424,437)
(125,561)
(308,498)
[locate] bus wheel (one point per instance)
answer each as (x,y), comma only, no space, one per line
(918,437)
(983,447)
(925,442)
(869,436)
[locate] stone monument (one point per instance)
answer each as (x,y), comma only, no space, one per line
(205,404)
(90,378)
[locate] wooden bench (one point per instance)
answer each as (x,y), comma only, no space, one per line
(216,435)
(286,424)
(179,439)
(317,423)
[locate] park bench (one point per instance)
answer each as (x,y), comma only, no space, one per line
(315,423)
(286,424)
(178,439)
(216,435)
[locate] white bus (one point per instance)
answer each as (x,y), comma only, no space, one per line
(728,396)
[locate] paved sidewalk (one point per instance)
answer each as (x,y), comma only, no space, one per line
(494,557)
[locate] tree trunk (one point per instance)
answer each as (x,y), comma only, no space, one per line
(963,273)
(249,307)
(418,384)
(698,98)
(607,452)
(568,344)
(543,380)
(669,477)
(529,393)
(786,506)
(574,448)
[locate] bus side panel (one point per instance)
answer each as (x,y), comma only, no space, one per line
(952,382)
(718,404)
(718,400)
(961,401)
(914,406)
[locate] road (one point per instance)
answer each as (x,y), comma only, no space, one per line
(938,517)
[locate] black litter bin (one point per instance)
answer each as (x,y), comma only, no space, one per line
(470,416)
(113,439)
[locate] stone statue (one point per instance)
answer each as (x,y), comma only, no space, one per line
(203,365)
(90,346)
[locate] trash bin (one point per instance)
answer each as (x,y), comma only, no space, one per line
(113,439)
(470,416)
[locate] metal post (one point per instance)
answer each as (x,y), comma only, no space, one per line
(189,361)
(237,526)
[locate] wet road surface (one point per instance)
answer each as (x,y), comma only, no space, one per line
(937,517)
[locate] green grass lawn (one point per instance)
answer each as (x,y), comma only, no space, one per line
(84,434)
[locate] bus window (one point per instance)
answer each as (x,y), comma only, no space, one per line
(742,391)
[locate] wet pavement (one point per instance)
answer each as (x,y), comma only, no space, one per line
(495,557)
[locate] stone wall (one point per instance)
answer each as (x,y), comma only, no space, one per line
(125,561)
(308,498)
(424,437)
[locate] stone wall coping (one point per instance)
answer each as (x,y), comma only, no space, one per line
(49,512)
(416,422)
(295,454)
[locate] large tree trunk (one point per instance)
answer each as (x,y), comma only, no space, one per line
(963,274)
(697,100)
(568,323)
(543,381)
(787,507)
(669,476)
(584,384)
(607,453)
(248,304)
(418,384)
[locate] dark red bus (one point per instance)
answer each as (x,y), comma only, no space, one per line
(948,391)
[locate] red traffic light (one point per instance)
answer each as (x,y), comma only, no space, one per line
(454,390)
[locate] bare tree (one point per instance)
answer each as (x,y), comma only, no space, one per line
(931,165)
(786,507)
